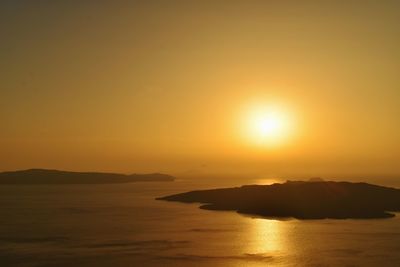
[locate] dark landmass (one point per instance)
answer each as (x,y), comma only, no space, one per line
(301,200)
(41,176)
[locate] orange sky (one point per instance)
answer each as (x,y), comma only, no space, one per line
(165,86)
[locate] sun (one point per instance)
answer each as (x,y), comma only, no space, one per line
(267,125)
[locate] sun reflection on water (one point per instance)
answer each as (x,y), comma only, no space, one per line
(269,236)
(268,181)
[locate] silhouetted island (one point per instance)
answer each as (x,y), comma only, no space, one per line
(301,200)
(42,176)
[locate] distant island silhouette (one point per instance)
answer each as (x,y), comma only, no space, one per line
(43,176)
(314,199)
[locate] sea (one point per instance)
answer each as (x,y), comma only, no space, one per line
(123,225)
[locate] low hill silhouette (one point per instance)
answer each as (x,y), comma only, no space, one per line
(301,200)
(43,176)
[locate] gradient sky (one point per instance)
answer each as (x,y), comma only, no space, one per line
(138,86)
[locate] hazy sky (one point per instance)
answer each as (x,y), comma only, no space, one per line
(138,86)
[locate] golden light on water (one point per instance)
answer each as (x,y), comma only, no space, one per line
(268,236)
(268,181)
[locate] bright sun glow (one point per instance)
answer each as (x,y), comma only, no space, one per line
(267,125)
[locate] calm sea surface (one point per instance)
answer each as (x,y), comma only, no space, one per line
(122,225)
